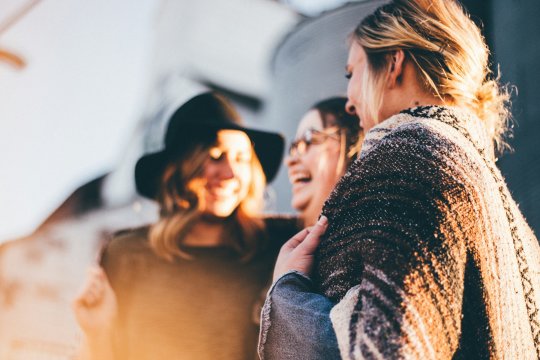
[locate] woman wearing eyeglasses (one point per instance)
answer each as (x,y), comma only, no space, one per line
(327,141)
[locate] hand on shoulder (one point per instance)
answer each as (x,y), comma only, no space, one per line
(95,306)
(298,253)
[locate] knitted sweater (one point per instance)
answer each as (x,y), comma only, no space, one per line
(426,252)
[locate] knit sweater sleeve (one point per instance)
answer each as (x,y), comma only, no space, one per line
(395,253)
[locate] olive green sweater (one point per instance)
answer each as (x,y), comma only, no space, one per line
(204,308)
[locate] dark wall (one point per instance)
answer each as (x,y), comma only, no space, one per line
(512,29)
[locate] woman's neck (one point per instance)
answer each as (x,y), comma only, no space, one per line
(205,234)
(409,92)
(424,99)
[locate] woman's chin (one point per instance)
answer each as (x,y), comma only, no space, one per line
(299,204)
(309,218)
(301,196)
(219,211)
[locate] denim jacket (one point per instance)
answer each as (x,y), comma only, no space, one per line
(295,322)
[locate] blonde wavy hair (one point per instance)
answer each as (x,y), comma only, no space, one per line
(181,200)
(449,52)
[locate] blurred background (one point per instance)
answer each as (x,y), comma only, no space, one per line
(85,87)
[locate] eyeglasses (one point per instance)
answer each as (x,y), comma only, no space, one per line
(312,136)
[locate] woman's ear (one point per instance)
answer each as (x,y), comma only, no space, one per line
(397,59)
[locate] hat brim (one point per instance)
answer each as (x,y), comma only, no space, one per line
(268,146)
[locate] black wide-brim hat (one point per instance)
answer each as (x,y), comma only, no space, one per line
(195,120)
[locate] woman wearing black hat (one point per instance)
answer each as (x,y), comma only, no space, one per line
(187,286)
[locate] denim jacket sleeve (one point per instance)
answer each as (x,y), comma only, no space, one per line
(295,322)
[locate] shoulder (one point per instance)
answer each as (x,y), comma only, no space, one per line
(407,152)
(402,132)
(127,243)
(412,156)
(444,131)
(412,141)
(280,228)
(285,225)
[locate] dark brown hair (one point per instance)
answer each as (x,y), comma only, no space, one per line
(332,112)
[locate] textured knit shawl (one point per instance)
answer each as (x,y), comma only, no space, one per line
(427,256)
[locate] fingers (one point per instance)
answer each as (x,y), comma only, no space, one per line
(94,288)
(297,253)
(312,240)
(296,240)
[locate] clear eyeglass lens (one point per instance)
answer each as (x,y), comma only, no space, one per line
(311,136)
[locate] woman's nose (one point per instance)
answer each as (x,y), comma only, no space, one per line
(291,158)
(226,170)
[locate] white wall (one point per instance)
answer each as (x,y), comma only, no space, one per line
(66,117)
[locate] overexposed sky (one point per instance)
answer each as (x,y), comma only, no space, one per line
(66,117)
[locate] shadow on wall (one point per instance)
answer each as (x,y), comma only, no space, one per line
(516,50)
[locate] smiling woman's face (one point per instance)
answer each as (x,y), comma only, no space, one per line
(313,172)
(227,173)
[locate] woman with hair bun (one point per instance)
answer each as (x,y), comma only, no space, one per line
(421,253)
